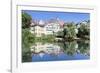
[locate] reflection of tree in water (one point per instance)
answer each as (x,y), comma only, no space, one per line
(84,47)
(74,47)
(26,56)
(70,48)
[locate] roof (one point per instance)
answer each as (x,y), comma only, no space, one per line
(43,23)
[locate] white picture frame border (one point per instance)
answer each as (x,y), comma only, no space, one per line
(17,66)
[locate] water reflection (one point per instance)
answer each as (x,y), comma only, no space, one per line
(76,50)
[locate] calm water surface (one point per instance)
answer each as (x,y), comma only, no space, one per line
(75,50)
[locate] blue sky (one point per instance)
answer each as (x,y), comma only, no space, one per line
(65,16)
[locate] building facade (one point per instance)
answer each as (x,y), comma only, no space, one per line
(46,28)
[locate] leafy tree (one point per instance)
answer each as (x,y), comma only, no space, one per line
(26,20)
(69,31)
(84,30)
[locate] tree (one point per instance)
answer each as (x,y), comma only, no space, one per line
(84,30)
(26,20)
(69,31)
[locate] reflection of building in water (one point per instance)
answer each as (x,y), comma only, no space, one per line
(54,52)
(71,48)
(46,48)
(41,54)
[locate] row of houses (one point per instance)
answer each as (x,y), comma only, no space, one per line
(50,27)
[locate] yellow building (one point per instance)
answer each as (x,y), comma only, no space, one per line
(37,28)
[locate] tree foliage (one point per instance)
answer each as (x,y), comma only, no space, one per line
(84,31)
(69,31)
(26,20)
(27,39)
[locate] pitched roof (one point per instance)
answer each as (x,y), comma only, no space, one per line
(43,23)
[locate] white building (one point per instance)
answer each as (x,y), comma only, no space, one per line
(37,28)
(53,26)
(46,28)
